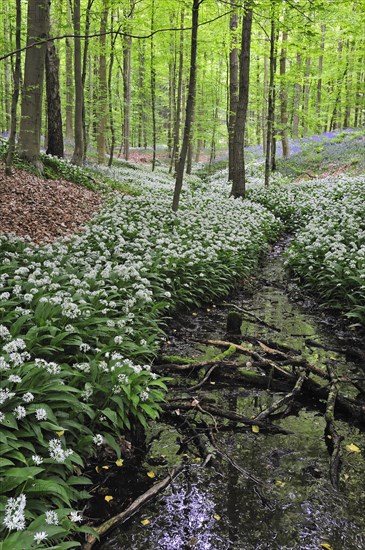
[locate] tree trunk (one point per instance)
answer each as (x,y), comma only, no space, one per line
(306,92)
(78,154)
(297,94)
(15,97)
(103,89)
(233,89)
(54,115)
(319,83)
(271,105)
(284,99)
(31,110)
(85,58)
(238,173)
(189,106)
(153,88)
(69,84)
(110,77)
(176,141)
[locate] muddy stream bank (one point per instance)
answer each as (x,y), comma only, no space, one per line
(290,477)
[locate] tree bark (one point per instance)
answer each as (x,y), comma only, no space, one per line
(176,140)
(189,105)
(319,83)
(31,110)
(153,88)
(54,116)
(69,83)
(284,99)
(271,105)
(238,173)
(103,89)
(15,97)
(233,89)
(78,154)
(297,93)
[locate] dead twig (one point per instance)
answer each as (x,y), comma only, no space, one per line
(133,508)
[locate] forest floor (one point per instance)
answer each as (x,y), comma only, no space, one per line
(41,209)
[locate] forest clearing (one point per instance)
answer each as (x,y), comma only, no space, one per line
(182,276)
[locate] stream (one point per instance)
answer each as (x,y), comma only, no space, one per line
(266,490)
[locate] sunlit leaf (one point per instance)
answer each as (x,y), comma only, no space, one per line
(119,462)
(326,545)
(255,428)
(108,498)
(145,521)
(60,434)
(279,483)
(151,474)
(352,448)
(105,467)
(217,517)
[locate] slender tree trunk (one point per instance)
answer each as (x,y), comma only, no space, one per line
(31,111)
(233,89)
(103,88)
(306,92)
(110,95)
(358,95)
(297,94)
(284,99)
(319,83)
(175,149)
(54,116)
(69,83)
(153,88)
(265,103)
(7,67)
(271,105)
(238,173)
(15,97)
(189,105)
(141,101)
(78,154)
(85,57)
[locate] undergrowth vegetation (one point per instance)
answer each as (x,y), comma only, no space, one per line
(80,323)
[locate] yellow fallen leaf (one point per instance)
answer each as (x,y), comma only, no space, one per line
(97,469)
(352,448)
(151,474)
(255,429)
(279,483)
(119,462)
(108,498)
(60,434)
(105,467)
(145,521)
(326,545)
(217,517)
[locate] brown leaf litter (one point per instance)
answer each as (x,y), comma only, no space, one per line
(41,209)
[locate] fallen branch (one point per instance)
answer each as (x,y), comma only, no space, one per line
(332,438)
(133,508)
(284,400)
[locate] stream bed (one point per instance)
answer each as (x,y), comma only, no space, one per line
(266,490)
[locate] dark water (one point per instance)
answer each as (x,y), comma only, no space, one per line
(293,506)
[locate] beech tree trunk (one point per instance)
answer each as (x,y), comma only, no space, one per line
(238,163)
(284,99)
(103,89)
(153,88)
(189,106)
(319,83)
(271,106)
(176,140)
(54,115)
(69,82)
(296,105)
(78,154)
(233,88)
(15,97)
(35,57)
